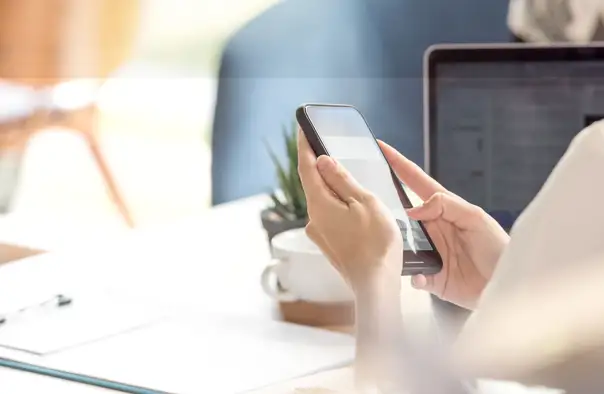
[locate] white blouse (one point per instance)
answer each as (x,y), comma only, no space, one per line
(545,302)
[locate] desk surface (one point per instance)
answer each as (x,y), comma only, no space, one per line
(193,262)
(17,382)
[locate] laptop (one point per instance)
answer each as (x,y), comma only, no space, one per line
(499,117)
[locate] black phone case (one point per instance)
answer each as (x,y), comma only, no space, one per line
(317,146)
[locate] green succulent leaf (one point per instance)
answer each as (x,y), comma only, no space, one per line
(293,204)
(282,177)
(280,208)
(291,144)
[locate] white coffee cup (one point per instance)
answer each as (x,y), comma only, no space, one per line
(302,272)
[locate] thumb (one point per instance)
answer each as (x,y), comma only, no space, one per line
(423,282)
(448,207)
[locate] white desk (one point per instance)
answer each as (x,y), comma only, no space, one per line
(17,382)
(211,262)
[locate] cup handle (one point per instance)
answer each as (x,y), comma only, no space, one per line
(270,287)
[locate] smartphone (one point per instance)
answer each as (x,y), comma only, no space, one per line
(341,131)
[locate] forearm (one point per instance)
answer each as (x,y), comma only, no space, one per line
(378,325)
(385,357)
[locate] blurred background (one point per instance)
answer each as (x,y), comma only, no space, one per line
(156,63)
(112,113)
(119,114)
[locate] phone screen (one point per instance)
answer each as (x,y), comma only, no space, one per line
(347,138)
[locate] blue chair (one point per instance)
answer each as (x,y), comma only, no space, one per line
(367,53)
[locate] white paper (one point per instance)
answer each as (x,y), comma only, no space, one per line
(212,354)
(47,329)
(28,282)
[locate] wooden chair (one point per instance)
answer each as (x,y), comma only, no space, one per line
(47,46)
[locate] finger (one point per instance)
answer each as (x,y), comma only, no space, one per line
(410,173)
(340,181)
(314,187)
(447,207)
(423,282)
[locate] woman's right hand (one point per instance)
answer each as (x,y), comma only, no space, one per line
(469,240)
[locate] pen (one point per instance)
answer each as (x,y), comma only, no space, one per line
(59,301)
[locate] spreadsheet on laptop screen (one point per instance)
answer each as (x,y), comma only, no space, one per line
(501,127)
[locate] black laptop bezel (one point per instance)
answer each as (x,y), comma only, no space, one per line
(487,53)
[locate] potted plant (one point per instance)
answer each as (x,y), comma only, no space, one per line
(288,204)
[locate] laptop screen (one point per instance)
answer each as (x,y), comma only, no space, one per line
(499,128)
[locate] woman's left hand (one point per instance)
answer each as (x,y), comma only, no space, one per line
(352,227)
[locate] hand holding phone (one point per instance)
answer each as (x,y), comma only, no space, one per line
(350,225)
(341,132)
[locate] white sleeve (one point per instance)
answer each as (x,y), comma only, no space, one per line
(532,308)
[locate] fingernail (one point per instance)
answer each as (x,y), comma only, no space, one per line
(324,163)
(414,281)
(418,281)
